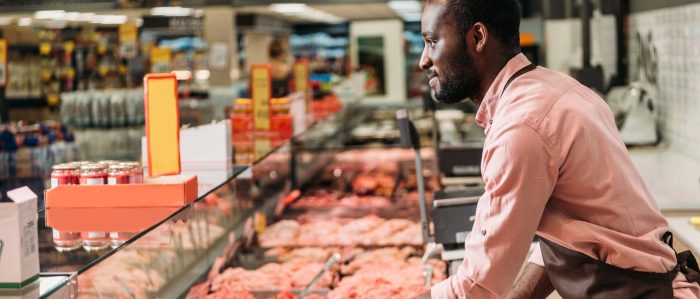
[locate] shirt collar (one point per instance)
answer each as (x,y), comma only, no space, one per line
(487,109)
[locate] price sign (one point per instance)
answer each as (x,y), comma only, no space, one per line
(261,92)
(127,40)
(3,62)
(160,59)
(45,48)
(162,124)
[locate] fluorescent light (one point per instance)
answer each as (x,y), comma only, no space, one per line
(138,22)
(85,17)
(49,14)
(411,17)
(405,5)
(24,22)
(5,21)
(289,8)
(171,11)
(109,19)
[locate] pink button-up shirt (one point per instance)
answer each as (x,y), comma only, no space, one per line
(554,165)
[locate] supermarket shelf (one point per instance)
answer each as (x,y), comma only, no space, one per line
(30,102)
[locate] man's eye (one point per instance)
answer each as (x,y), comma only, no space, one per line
(431,43)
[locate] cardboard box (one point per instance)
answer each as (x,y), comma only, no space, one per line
(19,246)
(165,191)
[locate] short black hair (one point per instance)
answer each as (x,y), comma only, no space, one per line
(501,18)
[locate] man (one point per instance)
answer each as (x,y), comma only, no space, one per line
(553,165)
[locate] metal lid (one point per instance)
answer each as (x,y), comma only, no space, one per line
(119,167)
(92,167)
(64,167)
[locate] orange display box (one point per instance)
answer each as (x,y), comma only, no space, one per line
(106,219)
(166,191)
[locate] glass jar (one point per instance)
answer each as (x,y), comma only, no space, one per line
(64,174)
(118,238)
(107,163)
(66,241)
(136,172)
(119,174)
(93,174)
(95,240)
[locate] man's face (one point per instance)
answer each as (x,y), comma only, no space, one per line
(448,65)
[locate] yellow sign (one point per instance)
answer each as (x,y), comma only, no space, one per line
(260,220)
(301,76)
(261,147)
(162,124)
(70,72)
(261,92)
(69,47)
(45,48)
(127,32)
(46,74)
(3,62)
(101,49)
(52,99)
(160,60)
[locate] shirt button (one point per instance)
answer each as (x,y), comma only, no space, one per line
(483,232)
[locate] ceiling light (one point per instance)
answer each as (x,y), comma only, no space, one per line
(405,5)
(24,22)
(110,19)
(85,17)
(171,11)
(49,14)
(5,21)
(411,17)
(289,8)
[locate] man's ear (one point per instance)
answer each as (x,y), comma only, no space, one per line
(479,37)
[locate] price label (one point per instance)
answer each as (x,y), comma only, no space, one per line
(162,124)
(127,40)
(261,92)
(45,48)
(260,221)
(3,62)
(101,49)
(160,59)
(52,99)
(70,73)
(261,147)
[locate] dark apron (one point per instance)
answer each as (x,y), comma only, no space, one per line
(576,275)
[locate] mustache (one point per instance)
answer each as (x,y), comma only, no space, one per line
(430,73)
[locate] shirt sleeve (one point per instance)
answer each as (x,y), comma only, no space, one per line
(520,172)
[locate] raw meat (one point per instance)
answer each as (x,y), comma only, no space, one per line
(283,233)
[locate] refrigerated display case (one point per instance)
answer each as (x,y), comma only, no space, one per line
(185,251)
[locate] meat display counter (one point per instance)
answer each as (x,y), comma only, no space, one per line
(270,228)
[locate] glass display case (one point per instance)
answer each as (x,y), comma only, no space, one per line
(166,253)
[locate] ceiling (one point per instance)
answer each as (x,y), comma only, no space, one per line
(349,12)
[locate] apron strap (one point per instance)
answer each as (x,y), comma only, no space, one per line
(517,74)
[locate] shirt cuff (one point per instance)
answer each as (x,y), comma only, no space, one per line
(443,290)
(536,256)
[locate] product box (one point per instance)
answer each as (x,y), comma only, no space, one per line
(205,151)
(165,191)
(19,246)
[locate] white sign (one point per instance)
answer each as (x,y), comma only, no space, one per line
(218,55)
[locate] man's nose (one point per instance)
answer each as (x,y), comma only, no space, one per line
(425,63)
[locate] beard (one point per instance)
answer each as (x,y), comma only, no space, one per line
(459,80)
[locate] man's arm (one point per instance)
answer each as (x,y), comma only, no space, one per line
(533,283)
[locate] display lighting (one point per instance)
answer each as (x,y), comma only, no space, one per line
(49,14)
(304,11)
(408,10)
(183,75)
(24,22)
(171,11)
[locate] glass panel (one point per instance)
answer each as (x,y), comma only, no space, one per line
(371,60)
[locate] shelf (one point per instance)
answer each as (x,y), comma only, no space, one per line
(30,102)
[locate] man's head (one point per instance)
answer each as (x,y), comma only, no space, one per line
(465,40)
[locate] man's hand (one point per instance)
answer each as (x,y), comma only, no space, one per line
(425,295)
(534,283)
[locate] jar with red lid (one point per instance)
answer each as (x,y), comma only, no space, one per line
(93,174)
(119,174)
(136,172)
(95,240)
(64,174)
(66,241)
